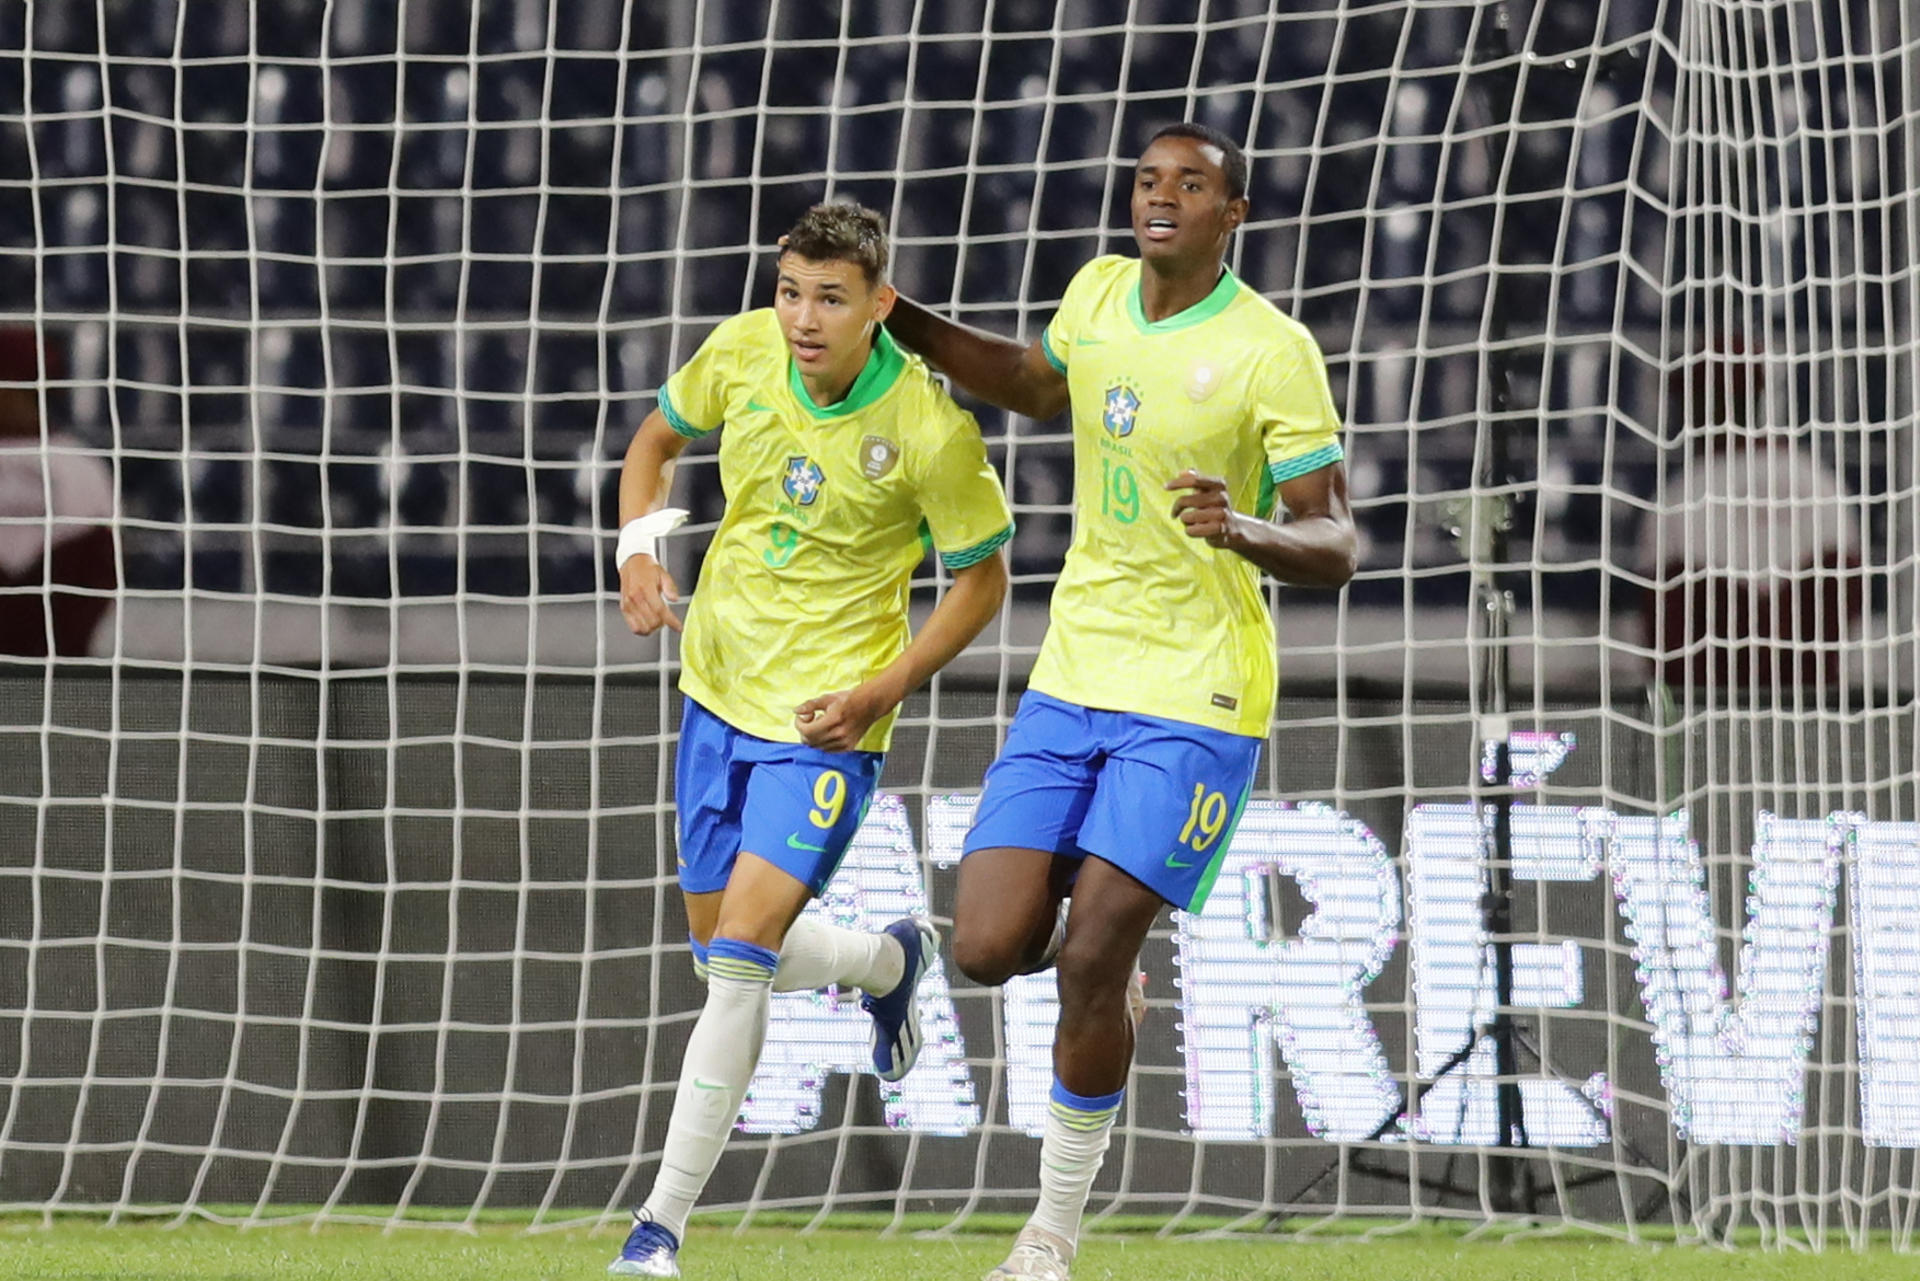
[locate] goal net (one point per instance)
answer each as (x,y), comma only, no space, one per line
(337,873)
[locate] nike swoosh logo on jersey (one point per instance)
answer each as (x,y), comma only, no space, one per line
(794,842)
(759,408)
(1173,860)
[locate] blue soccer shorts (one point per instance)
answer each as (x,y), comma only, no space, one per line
(795,806)
(1156,798)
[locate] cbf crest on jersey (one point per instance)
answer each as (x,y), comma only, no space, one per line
(803,480)
(1122,404)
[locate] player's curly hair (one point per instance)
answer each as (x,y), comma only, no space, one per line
(841,231)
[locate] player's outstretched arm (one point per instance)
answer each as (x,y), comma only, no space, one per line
(837,722)
(645,586)
(998,370)
(1316,548)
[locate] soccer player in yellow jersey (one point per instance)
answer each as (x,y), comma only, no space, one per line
(1195,405)
(837,451)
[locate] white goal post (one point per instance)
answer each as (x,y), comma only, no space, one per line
(336,877)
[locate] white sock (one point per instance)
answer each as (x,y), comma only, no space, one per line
(816,954)
(1054,943)
(1071,1152)
(721,1056)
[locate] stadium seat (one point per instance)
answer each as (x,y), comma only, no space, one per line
(1012,165)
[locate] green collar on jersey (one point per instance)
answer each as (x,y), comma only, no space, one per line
(1206,309)
(882,367)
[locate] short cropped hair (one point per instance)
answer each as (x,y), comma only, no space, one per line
(1233,161)
(840,231)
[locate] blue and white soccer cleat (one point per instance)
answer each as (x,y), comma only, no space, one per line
(896,1016)
(650,1251)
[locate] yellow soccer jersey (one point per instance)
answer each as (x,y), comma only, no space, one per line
(804,589)
(1144,618)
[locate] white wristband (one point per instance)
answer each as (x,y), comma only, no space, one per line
(641,535)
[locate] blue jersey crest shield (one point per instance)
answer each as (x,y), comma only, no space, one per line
(1119,410)
(802,480)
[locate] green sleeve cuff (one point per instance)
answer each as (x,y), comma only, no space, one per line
(1046,349)
(675,421)
(1326,456)
(973,555)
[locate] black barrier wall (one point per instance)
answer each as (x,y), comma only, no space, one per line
(295,939)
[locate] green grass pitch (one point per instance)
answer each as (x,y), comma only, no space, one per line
(76,1248)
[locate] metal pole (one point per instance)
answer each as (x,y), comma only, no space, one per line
(1493,50)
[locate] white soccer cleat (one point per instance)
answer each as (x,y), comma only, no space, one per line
(1037,1255)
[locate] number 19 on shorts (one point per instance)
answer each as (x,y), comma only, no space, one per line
(1206,819)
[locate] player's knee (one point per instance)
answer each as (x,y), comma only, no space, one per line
(984,955)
